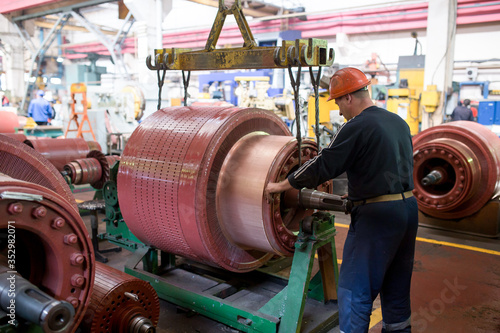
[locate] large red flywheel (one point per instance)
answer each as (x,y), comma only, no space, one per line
(456,169)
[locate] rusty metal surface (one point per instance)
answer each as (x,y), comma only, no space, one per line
(19,161)
(168,178)
(216,30)
(309,52)
(53,248)
(113,305)
(17,136)
(301,52)
(60,151)
(467,155)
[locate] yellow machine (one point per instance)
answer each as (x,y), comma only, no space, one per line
(324,113)
(404,102)
(139,102)
(430,98)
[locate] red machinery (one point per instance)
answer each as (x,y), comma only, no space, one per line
(53,248)
(18,136)
(93,170)
(191,182)
(456,176)
(62,151)
(121,303)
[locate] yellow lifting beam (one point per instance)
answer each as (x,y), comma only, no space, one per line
(303,52)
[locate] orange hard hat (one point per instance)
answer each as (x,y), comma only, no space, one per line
(347,80)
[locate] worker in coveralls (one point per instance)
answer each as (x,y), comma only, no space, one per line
(40,109)
(374,147)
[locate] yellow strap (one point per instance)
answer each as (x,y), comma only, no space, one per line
(390,197)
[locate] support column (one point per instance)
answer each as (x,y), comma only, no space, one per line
(13,59)
(149,15)
(439,58)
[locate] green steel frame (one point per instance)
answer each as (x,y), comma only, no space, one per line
(282,311)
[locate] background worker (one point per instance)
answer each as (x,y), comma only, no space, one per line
(4,100)
(40,109)
(374,147)
(462,112)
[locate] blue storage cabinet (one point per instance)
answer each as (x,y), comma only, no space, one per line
(496,120)
(486,113)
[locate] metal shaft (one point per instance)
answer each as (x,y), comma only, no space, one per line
(313,199)
(20,297)
(433,178)
(141,325)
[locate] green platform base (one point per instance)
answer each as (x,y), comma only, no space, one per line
(259,301)
(237,300)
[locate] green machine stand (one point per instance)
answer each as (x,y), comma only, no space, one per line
(259,301)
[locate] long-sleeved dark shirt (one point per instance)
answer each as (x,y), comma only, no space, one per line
(462,113)
(374,148)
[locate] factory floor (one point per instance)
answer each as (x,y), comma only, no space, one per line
(455,286)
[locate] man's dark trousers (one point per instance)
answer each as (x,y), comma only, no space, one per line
(378,258)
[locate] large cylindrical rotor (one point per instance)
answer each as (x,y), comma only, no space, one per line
(121,303)
(19,161)
(62,151)
(191,179)
(456,169)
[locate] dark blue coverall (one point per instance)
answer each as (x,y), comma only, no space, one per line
(376,151)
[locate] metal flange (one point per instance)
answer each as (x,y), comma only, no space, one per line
(464,156)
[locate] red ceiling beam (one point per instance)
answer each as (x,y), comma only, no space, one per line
(394,18)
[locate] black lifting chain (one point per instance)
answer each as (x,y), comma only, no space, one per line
(186,85)
(295,86)
(162,66)
(315,84)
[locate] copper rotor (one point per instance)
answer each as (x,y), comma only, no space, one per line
(466,157)
(170,173)
(118,300)
(93,170)
(247,219)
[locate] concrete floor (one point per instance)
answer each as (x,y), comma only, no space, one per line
(455,286)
